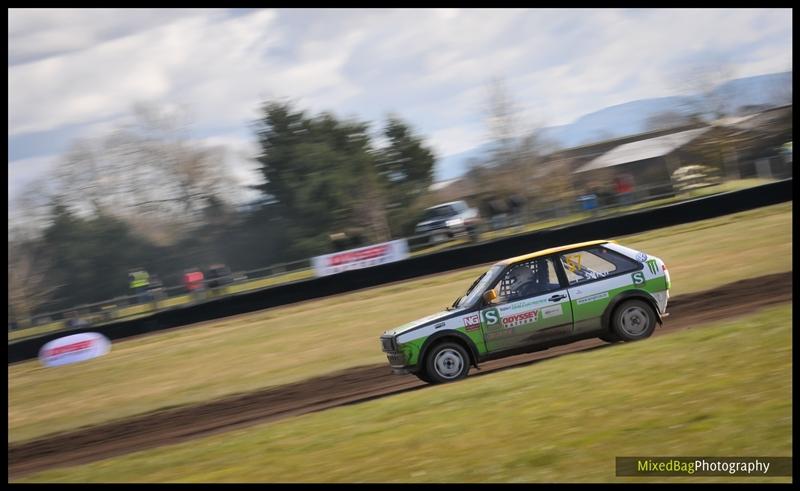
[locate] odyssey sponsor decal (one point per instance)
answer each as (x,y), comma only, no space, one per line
(653,266)
(514,320)
(472,322)
(638,278)
(592,298)
(493,319)
(552,311)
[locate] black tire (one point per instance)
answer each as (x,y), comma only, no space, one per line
(423,375)
(633,320)
(446,362)
(609,338)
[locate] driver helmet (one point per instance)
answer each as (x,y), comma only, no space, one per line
(520,276)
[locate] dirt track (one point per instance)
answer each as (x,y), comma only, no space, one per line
(353,385)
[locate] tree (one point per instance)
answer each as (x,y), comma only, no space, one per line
(91,256)
(320,176)
(711,100)
(405,166)
(503,123)
(29,211)
(146,172)
(516,164)
(29,286)
(707,97)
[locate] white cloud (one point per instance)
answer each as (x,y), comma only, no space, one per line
(431,66)
(157,64)
(39,33)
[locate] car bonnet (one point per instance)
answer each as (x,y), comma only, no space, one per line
(439,316)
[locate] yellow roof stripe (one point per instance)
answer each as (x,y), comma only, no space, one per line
(553,250)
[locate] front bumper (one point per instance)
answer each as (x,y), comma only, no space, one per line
(397,359)
(439,234)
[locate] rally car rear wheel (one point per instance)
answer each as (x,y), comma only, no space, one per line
(633,320)
(446,362)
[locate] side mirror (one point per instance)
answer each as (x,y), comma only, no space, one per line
(489,297)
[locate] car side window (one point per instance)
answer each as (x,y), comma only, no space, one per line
(527,279)
(594,263)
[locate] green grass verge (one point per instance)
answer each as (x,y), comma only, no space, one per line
(724,390)
(295,342)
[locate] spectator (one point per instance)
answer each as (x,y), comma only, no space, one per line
(193,281)
(139,281)
(218,275)
(498,209)
(156,289)
(605,196)
(588,201)
(623,185)
(516,203)
(74,321)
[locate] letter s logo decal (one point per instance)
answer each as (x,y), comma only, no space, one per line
(491,317)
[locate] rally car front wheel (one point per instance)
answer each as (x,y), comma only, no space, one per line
(446,362)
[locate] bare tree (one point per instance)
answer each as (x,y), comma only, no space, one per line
(502,121)
(519,154)
(147,172)
(28,285)
(29,212)
(703,83)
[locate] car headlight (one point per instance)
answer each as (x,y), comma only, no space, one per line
(455,222)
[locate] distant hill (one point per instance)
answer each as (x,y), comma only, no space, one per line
(631,117)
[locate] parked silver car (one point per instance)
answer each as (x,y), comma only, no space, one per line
(449,220)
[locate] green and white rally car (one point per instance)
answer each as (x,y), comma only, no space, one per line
(533,302)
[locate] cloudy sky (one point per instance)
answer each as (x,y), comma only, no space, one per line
(76,73)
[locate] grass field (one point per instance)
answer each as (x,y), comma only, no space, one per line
(291,343)
(135,311)
(724,390)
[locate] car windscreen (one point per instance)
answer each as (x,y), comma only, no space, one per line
(480,285)
(439,212)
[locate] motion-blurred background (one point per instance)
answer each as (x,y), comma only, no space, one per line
(240,143)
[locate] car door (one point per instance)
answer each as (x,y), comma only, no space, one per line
(595,276)
(524,315)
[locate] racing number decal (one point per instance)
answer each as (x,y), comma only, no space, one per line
(573,262)
(638,278)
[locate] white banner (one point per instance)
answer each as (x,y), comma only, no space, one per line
(363,257)
(75,348)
